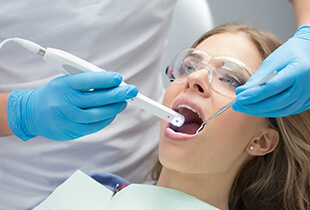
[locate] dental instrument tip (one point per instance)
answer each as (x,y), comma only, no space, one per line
(201,127)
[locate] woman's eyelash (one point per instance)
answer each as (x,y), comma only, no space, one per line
(233,78)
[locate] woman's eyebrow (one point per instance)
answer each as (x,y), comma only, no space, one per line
(195,55)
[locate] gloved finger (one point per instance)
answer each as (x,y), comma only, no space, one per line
(281,82)
(77,130)
(94,127)
(271,107)
(283,112)
(93,80)
(94,114)
(265,108)
(250,110)
(103,97)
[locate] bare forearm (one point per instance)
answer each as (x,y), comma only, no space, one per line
(301,12)
(4,125)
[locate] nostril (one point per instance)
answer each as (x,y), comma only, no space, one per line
(199,88)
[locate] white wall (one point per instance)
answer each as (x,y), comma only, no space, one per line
(274,15)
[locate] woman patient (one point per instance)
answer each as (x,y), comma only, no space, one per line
(236,161)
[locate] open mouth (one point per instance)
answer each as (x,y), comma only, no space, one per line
(192,120)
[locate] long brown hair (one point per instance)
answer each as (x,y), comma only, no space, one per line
(281,179)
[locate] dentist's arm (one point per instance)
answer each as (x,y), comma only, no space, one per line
(5,129)
(301,12)
(289,92)
(64,109)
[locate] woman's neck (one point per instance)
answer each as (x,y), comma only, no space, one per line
(212,189)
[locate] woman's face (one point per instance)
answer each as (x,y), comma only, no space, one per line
(223,143)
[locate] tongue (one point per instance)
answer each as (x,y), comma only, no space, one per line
(188,128)
(192,122)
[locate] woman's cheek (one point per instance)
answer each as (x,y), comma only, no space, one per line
(170,95)
(239,125)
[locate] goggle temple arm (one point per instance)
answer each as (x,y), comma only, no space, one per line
(170,76)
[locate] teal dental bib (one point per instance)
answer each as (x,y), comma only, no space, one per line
(148,197)
(81,192)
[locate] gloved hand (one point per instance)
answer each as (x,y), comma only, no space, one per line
(288,92)
(64,109)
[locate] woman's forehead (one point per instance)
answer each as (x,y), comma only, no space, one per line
(235,45)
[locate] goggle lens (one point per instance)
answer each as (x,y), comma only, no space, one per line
(225,73)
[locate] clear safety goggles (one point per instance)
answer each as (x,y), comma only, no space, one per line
(225,74)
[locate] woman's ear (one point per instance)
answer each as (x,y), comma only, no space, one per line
(264,144)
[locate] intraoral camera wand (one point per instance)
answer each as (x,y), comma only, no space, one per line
(67,63)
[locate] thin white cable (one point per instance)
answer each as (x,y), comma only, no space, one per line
(31,46)
(6,41)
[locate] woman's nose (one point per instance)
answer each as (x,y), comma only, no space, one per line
(198,81)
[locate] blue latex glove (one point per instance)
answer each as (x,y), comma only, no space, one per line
(288,92)
(64,109)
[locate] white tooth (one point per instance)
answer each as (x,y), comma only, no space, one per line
(186,106)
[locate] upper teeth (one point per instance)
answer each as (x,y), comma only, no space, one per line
(187,107)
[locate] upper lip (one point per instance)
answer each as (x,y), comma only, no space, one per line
(190,103)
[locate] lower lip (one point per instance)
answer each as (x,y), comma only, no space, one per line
(171,134)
